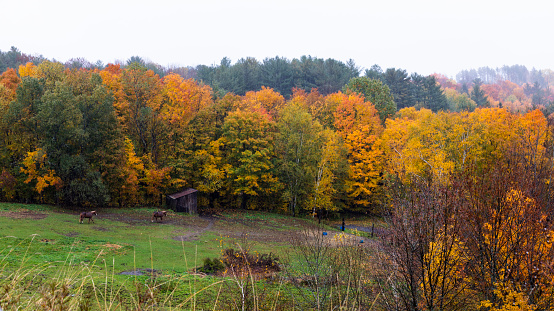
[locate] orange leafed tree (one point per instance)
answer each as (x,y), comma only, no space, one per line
(319,106)
(445,82)
(10,80)
(182,101)
(8,85)
(155,179)
(359,125)
(138,103)
(265,100)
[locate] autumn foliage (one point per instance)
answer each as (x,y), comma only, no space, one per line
(479,184)
(463,175)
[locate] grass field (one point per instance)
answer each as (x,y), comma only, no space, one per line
(123,256)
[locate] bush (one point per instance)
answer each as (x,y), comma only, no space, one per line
(257,263)
(212,266)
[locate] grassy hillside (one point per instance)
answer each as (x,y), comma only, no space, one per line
(123,256)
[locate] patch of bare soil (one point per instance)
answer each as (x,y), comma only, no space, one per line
(114,246)
(191,236)
(71,234)
(255,230)
(23,214)
(103,229)
(141,218)
(258,230)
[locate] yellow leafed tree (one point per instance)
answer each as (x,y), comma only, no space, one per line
(28,70)
(35,167)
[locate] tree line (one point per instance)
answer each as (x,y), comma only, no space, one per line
(329,76)
(124,135)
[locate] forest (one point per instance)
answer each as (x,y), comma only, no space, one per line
(462,168)
(297,136)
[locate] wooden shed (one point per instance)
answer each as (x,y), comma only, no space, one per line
(184,201)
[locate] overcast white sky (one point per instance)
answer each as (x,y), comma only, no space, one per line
(423,36)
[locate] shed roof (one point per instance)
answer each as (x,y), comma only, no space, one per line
(182,193)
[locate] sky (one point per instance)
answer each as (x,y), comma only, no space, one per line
(423,36)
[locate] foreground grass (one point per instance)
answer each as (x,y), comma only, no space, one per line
(47,258)
(70,285)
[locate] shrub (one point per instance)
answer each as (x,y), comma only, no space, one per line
(212,266)
(257,263)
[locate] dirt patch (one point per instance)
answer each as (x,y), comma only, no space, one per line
(194,235)
(72,234)
(258,229)
(114,246)
(373,231)
(23,214)
(103,229)
(143,218)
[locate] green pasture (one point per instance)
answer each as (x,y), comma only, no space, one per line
(41,244)
(59,237)
(49,234)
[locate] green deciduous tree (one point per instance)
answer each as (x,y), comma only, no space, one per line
(65,130)
(21,134)
(375,92)
(458,102)
(298,148)
(102,144)
(51,72)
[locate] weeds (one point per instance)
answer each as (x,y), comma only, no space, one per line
(244,267)
(321,272)
(80,286)
(329,272)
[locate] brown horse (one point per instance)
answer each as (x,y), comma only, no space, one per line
(87,215)
(159,215)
